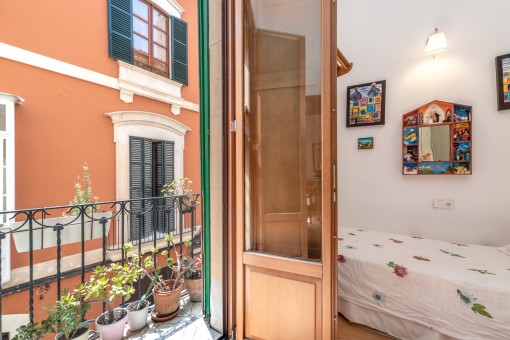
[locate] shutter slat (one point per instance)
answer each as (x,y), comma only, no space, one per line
(168,177)
(179,31)
(140,180)
(135,183)
(120,25)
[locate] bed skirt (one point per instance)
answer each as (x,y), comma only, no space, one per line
(389,324)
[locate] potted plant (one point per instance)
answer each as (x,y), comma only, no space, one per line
(166,293)
(67,316)
(193,277)
(138,311)
(72,223)
(181,187)
(106,284)
(32,331)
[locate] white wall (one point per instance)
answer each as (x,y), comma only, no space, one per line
(386,40)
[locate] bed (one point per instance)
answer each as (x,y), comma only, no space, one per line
(415,288)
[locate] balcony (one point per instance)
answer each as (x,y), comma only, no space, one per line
(56,248)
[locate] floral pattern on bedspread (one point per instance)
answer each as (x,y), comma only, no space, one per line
(399,270)
(421,258)
(464,294)
(468,299)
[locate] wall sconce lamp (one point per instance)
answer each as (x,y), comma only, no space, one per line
(436,43)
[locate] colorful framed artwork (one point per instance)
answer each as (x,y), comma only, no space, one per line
(503,79)
(437,140)
(365,143)
(365,104)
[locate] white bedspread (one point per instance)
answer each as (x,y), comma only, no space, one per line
(456,289)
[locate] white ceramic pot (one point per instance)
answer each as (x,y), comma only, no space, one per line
(137,319)
(113,331)
(84,336)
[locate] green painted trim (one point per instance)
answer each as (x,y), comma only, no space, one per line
(203,53)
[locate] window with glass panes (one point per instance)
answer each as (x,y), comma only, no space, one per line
(150,38)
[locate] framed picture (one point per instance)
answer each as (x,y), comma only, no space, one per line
(503,79)
(365,104)
(317,156)
(365,143)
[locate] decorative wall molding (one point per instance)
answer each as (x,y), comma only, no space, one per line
(132,80)
(37,60)
(146,125)
(171,7)
(135,80)
(6,97)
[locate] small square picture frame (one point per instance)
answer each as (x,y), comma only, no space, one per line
(366,143)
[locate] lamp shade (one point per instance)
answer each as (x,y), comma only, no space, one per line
(436,43)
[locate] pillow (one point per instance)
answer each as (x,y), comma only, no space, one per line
(507,247)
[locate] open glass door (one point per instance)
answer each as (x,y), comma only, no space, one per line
(284,169)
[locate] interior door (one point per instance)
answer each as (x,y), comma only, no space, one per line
(283,160)
(276,157)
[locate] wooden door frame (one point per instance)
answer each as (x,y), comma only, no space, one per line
(233,85)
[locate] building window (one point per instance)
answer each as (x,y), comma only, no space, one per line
(149,152)
(151,165)
(147,34)
(150,38)
(7,107)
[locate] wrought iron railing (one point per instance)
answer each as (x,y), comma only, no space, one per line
(109,224)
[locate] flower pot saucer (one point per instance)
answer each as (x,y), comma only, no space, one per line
(156,318)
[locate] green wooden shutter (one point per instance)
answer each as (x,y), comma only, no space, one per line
(140,185)
(179,68)
(168,162)
(164,173)
(120,28)
(168,177)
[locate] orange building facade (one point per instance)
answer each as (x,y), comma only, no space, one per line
(66,99)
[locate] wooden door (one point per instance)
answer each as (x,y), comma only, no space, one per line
(282,169)
(277,156)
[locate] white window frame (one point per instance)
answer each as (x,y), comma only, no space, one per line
(147,125)
(9,101)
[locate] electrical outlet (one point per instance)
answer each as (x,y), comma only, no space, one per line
(443,204)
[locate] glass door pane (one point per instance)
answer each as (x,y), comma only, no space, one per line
(282,132)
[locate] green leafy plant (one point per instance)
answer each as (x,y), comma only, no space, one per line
(181,187)
(192,266)
(107,283)
(83,195)
(67,314)
(178,266)
(33,331)
(141,302)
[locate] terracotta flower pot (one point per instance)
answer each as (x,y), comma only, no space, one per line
(165,303)
(194,288)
